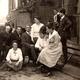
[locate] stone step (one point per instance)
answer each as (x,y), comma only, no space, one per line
(74,53)
(73,45)
(72,71)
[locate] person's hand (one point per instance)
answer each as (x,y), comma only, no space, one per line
(10,62)
(17,64)
(64,29)
(31,45)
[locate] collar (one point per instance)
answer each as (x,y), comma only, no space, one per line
(51,34)
(13,49)
(28,33)
(58,13)
(62,17)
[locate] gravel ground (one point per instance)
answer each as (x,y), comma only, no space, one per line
(28,74)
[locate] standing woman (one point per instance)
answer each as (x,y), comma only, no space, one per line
(35,29)
(14,57)
(52,52)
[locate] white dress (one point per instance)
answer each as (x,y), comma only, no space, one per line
(35,28)
(52,52)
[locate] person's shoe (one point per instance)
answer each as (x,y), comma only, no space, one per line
(9,69)
(49,74)
(37,69)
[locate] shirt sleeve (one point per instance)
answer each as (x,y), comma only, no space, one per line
(37,45)
(20,55)
(32,32)
(55,18)
(8,55)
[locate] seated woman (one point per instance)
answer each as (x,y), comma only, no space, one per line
(52,52)
(14,57)
(42,40)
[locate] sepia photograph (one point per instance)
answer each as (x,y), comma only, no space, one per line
(39,39)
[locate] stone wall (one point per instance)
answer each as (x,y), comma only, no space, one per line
(23,19)
(19,19)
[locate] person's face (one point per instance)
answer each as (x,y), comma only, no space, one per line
(28,28)
(41,35)
(8,29)
(18,30)
(49,30)
(61,14)
(36,20)
(15,45)
(55,12)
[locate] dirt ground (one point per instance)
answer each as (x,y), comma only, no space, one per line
(28,74)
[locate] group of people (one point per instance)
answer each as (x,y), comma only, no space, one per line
(42,43)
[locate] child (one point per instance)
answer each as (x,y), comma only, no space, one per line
(14,57)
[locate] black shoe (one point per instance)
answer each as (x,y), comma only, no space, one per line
(49,74)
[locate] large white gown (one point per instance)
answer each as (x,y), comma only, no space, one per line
(52,52)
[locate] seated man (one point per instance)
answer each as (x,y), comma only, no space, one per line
(14,57)
(27,45)
(16,35)
(5,42)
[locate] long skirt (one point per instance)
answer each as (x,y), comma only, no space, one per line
(50,56)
